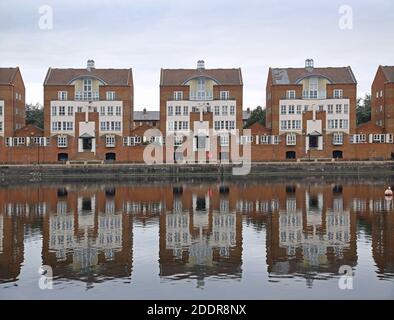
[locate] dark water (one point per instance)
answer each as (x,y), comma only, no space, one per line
(206,239)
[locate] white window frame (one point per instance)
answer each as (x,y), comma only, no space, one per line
(62,95)
(291,139)
(110,95)
(62,141)
(291,94)
(337,139)
(110,141)
(178,95)
(224,95)
(338,94)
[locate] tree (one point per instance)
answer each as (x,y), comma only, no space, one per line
(35,115)
(257,115)
(363,109)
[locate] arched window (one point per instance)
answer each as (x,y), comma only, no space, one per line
(110,156)
(337,154)
(62,157)
(291,155)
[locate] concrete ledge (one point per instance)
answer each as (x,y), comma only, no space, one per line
(80,172)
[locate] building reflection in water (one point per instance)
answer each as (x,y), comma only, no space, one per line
(311,228)
(200,236)
(88,237)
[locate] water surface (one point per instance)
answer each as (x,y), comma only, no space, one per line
(200,239)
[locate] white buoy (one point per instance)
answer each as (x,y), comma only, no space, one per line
(388,192)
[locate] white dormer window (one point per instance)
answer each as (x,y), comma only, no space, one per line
(338,94)
(110,95)
(62,95)
(178,95)
(224,95)
(291,94)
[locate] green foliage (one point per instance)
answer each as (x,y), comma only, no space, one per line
(363,109)
(35,115)
(257,115)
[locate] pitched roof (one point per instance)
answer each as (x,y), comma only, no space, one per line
(389,73)
(341,75)
(146,115)
(176,77)
(7,75)
(115,77)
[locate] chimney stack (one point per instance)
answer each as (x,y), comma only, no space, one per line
(90,65)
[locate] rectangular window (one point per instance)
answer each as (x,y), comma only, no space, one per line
(291,139)
(232,125)
(110,95)
(299,109)
(224,95)
(291,110)
(54,109)
(178,110)
(178,95)
(110,111)
(170,110)
(379,138)
(330,109)
(70,110)
(245,140)
(62,111)
(338,108)
(337,138)
(217,112)
(283,125)
(1,126)
(110,141)
(62,141)
(185,110)
(290,94)
(118,110)
(102,111)
(217,125)
(313,88)
(224,110)
(282,109)
(338,93)
(225,140)
(62,95)
(232,110)
(79,109)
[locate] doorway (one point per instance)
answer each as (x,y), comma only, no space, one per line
(313,142)
(87,144)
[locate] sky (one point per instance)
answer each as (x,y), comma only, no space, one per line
(147,35)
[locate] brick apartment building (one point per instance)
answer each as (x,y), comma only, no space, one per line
(89,116)
(311,112)
(12,101)
(88,110)
(201,101)
(382,96)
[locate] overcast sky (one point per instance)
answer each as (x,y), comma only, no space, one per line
(147,35)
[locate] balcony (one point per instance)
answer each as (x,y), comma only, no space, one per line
(87,96)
